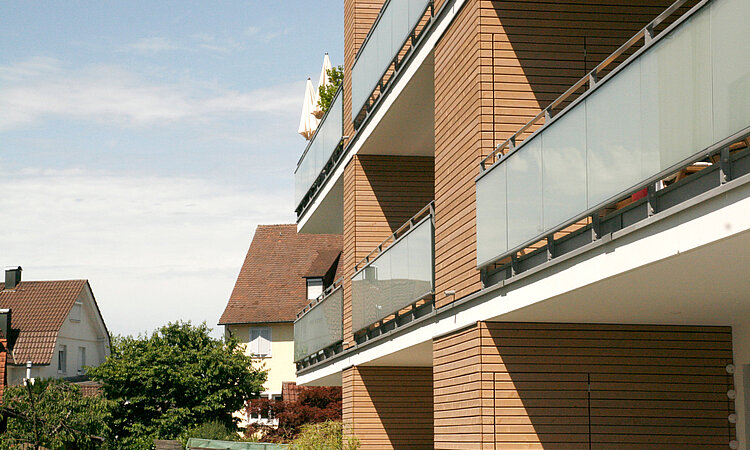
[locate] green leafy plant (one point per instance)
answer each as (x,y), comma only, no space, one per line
(53,414)
(326,93)
(174,379)
(327,435)
(314,404)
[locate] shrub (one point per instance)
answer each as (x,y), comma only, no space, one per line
(328,435)
(314,405)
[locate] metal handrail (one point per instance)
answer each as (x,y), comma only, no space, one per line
(319,299)
(402,231)
(414,38)
(375,24)
(591,79)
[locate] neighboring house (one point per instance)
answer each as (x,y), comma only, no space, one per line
(545,214)
(56,325)
(282,272)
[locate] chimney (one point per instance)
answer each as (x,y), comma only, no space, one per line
(12,277)
(5,324)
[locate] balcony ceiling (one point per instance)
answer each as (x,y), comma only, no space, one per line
(705,286)
(408,127)
(329,215)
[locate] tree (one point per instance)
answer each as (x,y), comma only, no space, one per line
(53,414)
(326,93)
(313,405)
(177,377)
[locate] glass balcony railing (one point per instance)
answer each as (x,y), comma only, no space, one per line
(399,276)
(319,326)
(319,150)
(686,89)
(388,36)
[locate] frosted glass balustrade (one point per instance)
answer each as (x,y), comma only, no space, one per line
(684,93)
(320,149)
(399,276)
(320,327)
(397,20)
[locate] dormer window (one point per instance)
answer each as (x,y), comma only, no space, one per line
(314,288)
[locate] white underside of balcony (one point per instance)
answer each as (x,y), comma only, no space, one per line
(402,124)
(691,267)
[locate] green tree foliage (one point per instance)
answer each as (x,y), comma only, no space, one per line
(176,378)
(327,435)
(326,93)
(53,414)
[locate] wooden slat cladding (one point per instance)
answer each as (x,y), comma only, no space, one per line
(458,116)
(495,68)
(389,407)
(580,385)
(359,15)
(380,194)
(457,377)
(348,254)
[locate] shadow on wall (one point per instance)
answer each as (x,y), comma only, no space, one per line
(401,185)
(611,386)
(402,402)
(539,50)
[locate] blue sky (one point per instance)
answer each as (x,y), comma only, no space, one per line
(141,143)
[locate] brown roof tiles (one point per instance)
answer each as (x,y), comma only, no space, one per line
(38,310)
(270,286)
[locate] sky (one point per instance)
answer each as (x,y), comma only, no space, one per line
(142,142)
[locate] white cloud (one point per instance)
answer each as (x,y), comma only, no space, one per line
(38,88)
(155,249)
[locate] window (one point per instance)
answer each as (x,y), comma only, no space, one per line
(81,360)
(260,341)
(62,359)
(75,312)
(314,288)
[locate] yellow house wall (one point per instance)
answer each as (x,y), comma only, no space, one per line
(280,364)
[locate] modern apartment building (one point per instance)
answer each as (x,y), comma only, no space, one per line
(545,211)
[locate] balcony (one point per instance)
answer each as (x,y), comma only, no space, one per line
(318,327)
(398,27)
(675,106)
(397,279)
(321,154)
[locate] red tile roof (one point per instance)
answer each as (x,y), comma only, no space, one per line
(322,263)
(270,286)
(38,310)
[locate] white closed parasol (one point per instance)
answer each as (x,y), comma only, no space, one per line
(308,123)
(323,81)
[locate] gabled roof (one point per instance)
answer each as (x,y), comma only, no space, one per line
(38,310)
(270,286)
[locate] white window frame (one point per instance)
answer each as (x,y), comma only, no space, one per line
(62,359)
(314,288)
(81,360)
(259,341)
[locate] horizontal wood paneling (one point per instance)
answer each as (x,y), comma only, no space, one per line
(496,67)
(389,407)
(457,145)
(381,193)
(457,372)
(608,385)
